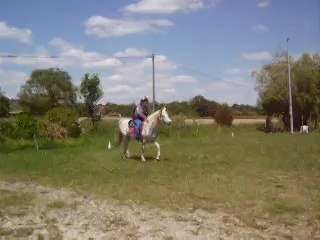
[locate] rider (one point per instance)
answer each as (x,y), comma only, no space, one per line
(140,114)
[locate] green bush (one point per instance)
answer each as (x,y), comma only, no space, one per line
(66,117)
(7,129)
(4,105)
(178,121)
(223,115)
(74,130)
(2,138)
(26,126)
(104,126)
(10,145)
(86,125)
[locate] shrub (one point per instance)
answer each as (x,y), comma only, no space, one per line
(86,125)
(66,118)
(7,129)
(4,105)
(74,130)
(104,126)
(10,145)
(55,130)
(2,138)
(26,126)
(223,115)
(178,121)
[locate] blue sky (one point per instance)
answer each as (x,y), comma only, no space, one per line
(206,47)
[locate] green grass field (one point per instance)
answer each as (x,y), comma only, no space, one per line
(251,174)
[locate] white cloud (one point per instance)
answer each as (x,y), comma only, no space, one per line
(260,28)
(232,90)
(182,79)
(61,44)
(106,27)
(22,35)
(131,52)
(264,4)
(10,81)
(41,62)
(9,77)
(69,56)
(140,70)
(162,62)
(86,59)
(199,91)
(233,71)
(112,78)
(257,56)
(164,6)
(121,88)
(134,79)
(170,90)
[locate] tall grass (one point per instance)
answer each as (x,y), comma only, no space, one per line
(251,173)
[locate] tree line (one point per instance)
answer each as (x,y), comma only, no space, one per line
(272,87)
(50,88)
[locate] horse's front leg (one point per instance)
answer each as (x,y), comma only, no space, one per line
(143,142)
(126,153)
(158,150)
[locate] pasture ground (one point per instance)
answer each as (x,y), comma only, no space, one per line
(262,180)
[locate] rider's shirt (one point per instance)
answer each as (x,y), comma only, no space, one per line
(140,112)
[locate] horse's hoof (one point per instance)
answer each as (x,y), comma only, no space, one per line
(143,159)
(158,158)
(124,157)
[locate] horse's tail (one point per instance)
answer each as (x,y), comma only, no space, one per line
(120,135)
(120,138)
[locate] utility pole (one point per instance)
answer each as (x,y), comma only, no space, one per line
(289,85)
(153,84)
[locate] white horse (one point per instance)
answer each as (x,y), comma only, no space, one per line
(149,132)
(304,129)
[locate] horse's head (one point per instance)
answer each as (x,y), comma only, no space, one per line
(164,116)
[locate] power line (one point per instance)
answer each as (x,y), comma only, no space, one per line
(56,56)
(27,56)
(198,72)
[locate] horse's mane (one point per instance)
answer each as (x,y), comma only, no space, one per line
(152,115)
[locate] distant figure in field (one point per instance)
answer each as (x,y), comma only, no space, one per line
(304,128)
(286,121)
(269,125)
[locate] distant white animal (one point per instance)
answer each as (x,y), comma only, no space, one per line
(304,129)
(149,132)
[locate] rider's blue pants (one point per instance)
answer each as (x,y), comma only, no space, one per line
(138,124)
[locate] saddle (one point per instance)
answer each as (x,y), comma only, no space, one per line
(132,127)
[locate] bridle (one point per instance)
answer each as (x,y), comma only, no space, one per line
(160,118)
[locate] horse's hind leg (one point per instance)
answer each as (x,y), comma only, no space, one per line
(158,150)
(142,151)
(126,153)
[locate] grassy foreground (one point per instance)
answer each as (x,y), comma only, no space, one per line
(251,174)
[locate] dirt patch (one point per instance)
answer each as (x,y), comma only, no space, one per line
(64,214)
